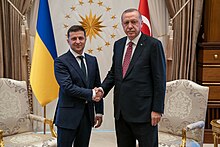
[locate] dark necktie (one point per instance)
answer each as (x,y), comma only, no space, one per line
(83,67)
(127,59)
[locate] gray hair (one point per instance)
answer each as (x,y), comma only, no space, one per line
(131,10)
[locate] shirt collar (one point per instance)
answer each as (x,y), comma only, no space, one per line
(76,54)
(135,40)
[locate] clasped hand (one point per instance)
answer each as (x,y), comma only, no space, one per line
(98,94)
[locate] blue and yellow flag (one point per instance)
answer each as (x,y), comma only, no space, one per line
(42,76)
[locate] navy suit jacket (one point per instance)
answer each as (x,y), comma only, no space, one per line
(142,90)
(75,92)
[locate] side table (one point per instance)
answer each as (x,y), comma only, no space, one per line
(216,131)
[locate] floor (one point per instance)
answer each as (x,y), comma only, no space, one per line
(107,139)
(103,139)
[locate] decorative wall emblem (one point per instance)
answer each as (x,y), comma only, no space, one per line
(100,23)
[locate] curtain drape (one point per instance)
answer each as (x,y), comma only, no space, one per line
(13,40)
(186,29)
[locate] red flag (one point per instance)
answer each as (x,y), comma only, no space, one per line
(144,10)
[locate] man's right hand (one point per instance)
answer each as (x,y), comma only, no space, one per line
(98,94)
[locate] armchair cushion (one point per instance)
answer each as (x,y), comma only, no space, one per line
(30,139)
(170,140)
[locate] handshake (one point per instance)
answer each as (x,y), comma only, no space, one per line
(98,94)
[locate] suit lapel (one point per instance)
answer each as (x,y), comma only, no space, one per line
(138,50)
(89,68)
(119,55)
(76,66)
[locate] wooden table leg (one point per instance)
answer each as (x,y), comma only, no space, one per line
(215,135)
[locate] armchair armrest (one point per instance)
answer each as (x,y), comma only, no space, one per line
(44,120)
(1,139)
(192,126)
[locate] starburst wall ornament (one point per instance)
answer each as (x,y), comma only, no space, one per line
(99,21)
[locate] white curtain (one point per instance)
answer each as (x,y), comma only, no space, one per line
(159,19)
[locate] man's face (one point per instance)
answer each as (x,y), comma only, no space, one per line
(77,41)
(131,24)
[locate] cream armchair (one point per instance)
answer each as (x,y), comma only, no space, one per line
(184,117)
(16,120)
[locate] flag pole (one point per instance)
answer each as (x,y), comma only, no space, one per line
(45,115)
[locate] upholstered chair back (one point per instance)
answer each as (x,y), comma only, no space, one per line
(14,107)
(185,103)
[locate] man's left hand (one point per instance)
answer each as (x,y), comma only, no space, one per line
(98,121)
(155,118)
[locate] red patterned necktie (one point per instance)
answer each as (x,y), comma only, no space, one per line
(127,59)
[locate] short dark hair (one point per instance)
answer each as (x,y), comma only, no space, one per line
(75,28)
(131,10)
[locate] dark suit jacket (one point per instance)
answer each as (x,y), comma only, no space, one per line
(74,91)
(142,90)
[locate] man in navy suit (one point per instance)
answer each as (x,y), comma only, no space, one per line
(77,73)
(138,73)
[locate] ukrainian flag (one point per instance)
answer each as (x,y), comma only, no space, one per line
(42,77)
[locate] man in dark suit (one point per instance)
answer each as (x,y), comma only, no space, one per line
(138,73)
(77,73)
